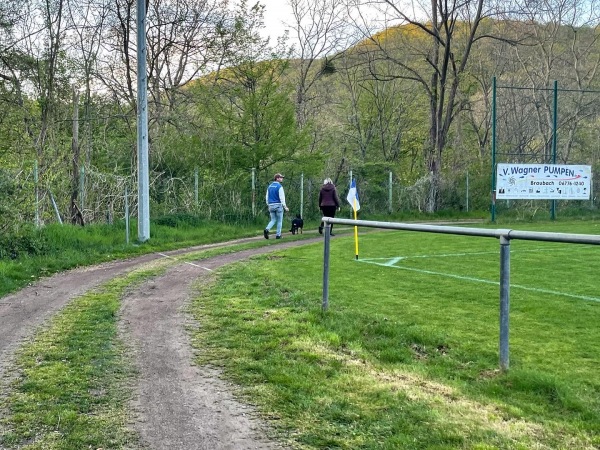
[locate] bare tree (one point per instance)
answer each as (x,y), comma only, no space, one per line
(185,39)
(431,46)
(321,31)
(88,19)
(41,33)
(376,113)
(562,45)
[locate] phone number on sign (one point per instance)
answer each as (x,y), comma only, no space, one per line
(571,183)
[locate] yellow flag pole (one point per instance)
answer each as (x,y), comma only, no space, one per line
(355,231)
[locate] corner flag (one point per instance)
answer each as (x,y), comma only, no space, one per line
(353,197)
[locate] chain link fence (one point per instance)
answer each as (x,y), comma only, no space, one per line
(104,198)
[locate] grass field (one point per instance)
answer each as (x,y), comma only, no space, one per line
(407,354)
(406,357)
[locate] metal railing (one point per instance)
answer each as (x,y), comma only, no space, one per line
(504,235)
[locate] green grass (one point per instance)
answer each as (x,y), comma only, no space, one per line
(61,247)
(71,392)
(74,377)
(403,359)
(407,356)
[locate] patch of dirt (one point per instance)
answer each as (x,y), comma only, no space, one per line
(177,405)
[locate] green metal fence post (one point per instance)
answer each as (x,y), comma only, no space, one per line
(554,126)
(390,194)
(493,208)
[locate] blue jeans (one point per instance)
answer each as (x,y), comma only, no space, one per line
(276,212)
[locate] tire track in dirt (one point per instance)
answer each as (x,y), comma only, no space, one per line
(177,405)
(22,312)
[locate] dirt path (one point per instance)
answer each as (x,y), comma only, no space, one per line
(177,405)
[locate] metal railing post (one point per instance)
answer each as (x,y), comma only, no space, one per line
(504,300)
(326,265)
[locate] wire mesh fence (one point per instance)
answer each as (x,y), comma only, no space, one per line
(241,198)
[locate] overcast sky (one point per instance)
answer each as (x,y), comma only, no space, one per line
(276,12)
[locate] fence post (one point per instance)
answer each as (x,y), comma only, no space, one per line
(196,187)
(504,300)
(467,191)
(349,183)
(326,266)
(126,215)
(37,193)
(302,194)
(554,137)
(493,206)
(253,192)
(82,189)
(56,211)
(390,196)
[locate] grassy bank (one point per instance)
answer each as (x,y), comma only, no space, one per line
(34,253)
(30,253)
(74,378)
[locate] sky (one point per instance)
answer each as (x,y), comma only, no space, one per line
(276,12)
(279,11)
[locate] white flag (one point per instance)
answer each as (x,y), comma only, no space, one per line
(353,197)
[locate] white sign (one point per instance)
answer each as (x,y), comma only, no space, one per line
(543,181)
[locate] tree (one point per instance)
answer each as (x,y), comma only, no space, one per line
(250,105)
(321,32)
(561,45)
(431,46)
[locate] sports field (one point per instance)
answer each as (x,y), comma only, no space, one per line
(407,354)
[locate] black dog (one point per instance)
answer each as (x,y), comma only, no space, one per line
(297,225)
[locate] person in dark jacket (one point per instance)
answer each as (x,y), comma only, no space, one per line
(329,201)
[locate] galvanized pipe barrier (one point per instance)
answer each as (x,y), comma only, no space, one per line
(504,235)
(326,248)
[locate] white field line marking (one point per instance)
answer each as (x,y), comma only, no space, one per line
(191,264)
(449,255)
(392,261)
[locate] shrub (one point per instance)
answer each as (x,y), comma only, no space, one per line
(27,241)
(178,220)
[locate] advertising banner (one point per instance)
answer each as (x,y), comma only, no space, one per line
(543,181)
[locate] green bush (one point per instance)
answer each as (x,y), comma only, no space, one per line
(7,187)
(26,242)
(178,220)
